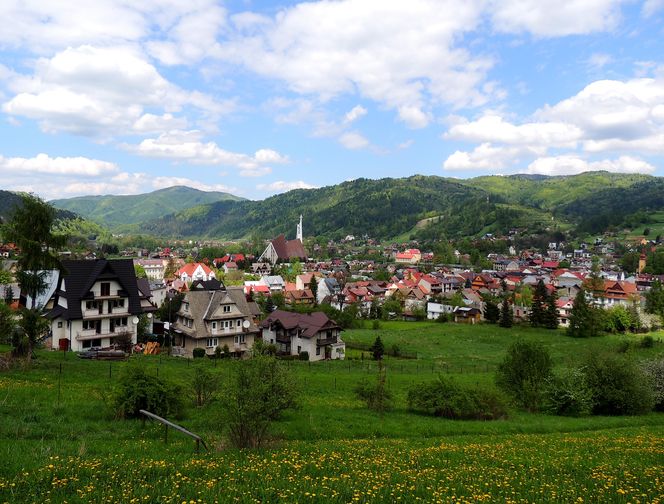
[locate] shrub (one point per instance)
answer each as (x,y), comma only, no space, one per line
(618,386)
(304,356)
(445,398)
(376,395)
(395,351)
(523,373)
(122,341)
(654,370)
(217,352)
(375,325)
(204,386)
(261,347)
(623,347)
(199,353)
(647,342)
(263,389)
(568,394)
(442,318)
(137,390)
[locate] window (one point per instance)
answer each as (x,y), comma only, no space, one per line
(317,350)
(89,324)
(105,288)
(92,343)
(239,322)
(118,303)
(299,349)
(227,308)
(214,325)
(239,338)
(59,325)
(91,305)
(122,321)
(226,324)
(212,342)
(185,306)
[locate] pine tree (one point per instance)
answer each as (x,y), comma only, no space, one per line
(506,314)
(313,286)
(551,313)
(491,312)
(377,349)
(537,306)
(581,317)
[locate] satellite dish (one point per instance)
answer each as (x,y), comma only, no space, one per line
(134,321)
(246,324)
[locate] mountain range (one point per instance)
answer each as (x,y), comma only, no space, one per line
(389,208)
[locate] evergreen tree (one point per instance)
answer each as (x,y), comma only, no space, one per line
(491,312)
(313,286)
(377,349)
(269,305)
(506,314)
(583,321)
(551,313)
(537,307)
(655,299)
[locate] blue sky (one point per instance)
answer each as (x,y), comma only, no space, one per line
(256,98)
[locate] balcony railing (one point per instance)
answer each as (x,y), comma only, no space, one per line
(327,341)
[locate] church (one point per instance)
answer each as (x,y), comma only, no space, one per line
(284,250)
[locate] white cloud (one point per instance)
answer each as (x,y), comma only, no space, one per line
(42,164)
(101,92)
(354,114)
(484,157)
(282,186)
(184,31)
(353,140)
(597,61)
(552,18)
(406,56)
(493,128)
(187,146)
(650,7)
(571,165)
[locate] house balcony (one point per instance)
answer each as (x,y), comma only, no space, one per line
(327,341)
(91,335)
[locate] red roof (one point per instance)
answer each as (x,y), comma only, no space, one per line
(189,269)
(287,249)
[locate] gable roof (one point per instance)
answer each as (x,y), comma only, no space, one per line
(80,276)
(309,323)
(287,249)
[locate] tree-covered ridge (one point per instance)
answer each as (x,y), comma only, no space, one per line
(10,200)
(124,211)
(380,208)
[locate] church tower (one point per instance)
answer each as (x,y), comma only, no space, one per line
(299,231)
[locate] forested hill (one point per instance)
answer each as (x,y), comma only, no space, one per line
(9,200)
(433,206)
(380,208)
(118,212)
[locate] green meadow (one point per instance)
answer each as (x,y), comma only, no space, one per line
(60,441)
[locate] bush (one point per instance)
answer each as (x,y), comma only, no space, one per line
(524,372)
(647,342)
(137,390)
(204,386)
(304,356)
(375,325)
(263,389)
(376,395)
(395,351)
(199,353)
(218,352)
(377,349)
(623,347)
(445,398)
(122,341)
(654,370)
(618,386)
(261,347)
(568,394)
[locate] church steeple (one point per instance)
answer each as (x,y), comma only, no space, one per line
(299,231)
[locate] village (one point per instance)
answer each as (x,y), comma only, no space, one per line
(220,306)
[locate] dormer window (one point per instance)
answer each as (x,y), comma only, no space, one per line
(105,288)
(227,308)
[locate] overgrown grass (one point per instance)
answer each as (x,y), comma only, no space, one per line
(57,412)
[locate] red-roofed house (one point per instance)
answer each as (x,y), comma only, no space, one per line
(195,271)
(281,249)
(410,256)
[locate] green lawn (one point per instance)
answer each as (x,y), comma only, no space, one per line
(57,413)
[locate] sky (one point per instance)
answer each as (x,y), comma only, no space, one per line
(258,98)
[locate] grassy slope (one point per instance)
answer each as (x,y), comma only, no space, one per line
(34,427)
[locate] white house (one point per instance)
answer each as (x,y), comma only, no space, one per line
(294,333)
(195,271)
(96,303)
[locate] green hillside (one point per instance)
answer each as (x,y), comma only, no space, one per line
(381,208)
(120,212)
(9,200)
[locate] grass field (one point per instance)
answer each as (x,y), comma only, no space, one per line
(60,442)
